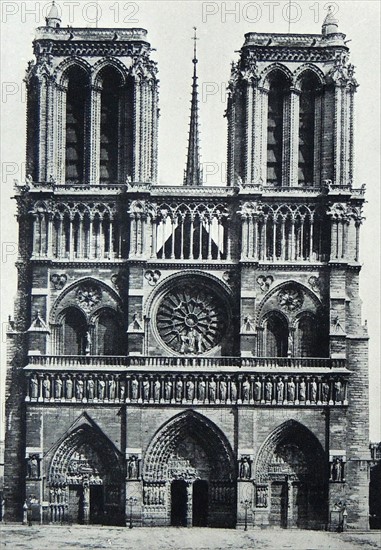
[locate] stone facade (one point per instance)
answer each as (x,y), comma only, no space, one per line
(188,355)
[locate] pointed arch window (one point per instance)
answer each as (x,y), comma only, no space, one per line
(275,336)
(275,127)
(110,135)
(307,337)
(307,128)
(76,99)
(108,339)
(74,329)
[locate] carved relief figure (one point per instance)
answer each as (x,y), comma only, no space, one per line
(338,387)
(325,391)
(313,390)
(233,390)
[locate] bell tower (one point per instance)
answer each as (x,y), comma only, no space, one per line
(290,156)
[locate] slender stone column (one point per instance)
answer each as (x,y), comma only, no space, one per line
(249,131)
(154,237)
(337,135)
(191,238)
(136,176)
(61,133)
(93,138)
(294,137)
(173,238)
(263,156)
(290,504)
(43,115)
(274,239)
(244,237)
(209,238)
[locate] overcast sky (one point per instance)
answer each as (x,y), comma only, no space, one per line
(221,29)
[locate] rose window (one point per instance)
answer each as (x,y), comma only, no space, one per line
(190,319)
(290,298)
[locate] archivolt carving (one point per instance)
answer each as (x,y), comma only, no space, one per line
(84,452)
(168,439)
(292,451)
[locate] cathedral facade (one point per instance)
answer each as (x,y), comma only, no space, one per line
(188,355)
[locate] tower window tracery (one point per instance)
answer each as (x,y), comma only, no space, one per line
(76,100)
(275,128)
(307,116)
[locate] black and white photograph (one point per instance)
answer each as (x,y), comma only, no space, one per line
(190,274)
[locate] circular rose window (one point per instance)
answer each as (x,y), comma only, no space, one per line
(191,319)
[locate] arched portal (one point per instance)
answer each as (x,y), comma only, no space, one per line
(189,475)
(85,480)
(291,479)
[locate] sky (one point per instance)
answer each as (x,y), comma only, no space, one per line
(221,28)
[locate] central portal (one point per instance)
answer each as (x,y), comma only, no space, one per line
(179,503)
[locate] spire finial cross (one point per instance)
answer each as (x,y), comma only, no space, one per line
(195,38)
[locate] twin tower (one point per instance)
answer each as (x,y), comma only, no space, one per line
(186,354)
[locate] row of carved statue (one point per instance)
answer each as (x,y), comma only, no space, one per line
(140,388)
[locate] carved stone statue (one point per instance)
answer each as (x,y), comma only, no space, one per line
(34,387)
(291,390)
(257,389)
(190,390)
(337,469)
(244,469)
(46,387)
(90,388)
(145,386)
(168,389)
(33,467)
(111,388)
(156,389)
(268,390)
(79,389)
(69,388)
(101,388)
(201,389)
(246,390)
(233,391)
(325,391)
(133,467)
(223,389)
(134,388)
(122,389)
(313,390)
(302,390)
(58,387)
(212,390)
(280,390)
(338,387)
(179,389)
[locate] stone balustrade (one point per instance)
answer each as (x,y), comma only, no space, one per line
(65,362)
(196,388)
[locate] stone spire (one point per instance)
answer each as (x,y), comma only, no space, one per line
(53,18)
(193,172)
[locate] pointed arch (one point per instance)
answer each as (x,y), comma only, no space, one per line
(204,432)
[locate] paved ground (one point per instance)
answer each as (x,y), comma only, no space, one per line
(57,538)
